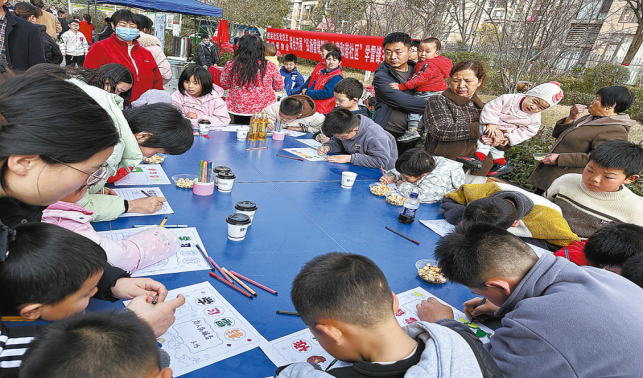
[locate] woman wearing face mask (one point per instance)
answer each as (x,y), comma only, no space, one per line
(122,48)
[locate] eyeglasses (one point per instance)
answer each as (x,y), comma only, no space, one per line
(343,137)
(95,177)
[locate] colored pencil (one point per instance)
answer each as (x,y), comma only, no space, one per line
(218,268)
(483,301)
(287,312)
(402,235)
(382,168)
(231,285)
(163,222)
(200,169)
(144,192)
(254,282)
(256,148)
(239,282)
(205,257)
(288,157)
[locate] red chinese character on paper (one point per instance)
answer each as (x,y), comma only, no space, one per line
(301,346)
(410,320)
(400,312)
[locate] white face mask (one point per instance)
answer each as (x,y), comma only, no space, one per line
(126,34)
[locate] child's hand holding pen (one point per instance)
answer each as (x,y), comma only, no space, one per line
(479,309)
(387,179)
(323,150)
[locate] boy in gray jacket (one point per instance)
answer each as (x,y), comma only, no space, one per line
(360,140)
(347,304)
(558,319)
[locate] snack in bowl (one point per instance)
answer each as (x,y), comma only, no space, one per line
(431,273)
(380,190)
(395,199)
(540,156)
(185,183)
(154,159)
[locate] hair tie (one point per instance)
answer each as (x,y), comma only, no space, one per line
(7,235)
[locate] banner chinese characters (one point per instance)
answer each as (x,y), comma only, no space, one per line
(358,51)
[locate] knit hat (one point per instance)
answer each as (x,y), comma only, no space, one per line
(523,204)
(549,92)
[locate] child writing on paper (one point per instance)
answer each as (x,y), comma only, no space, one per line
(430,176)
(354,321)
(513,118)
(199,99)
(131,253)
(80,345)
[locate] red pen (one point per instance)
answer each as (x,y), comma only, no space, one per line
(288,157)
(232,286)
(253,282)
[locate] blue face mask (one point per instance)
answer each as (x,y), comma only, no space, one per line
(126,34)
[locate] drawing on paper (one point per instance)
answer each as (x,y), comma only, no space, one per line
(188,258)
(201,336)
(145,174)
(407,314)
(306,153)
(136,193)
(310,142)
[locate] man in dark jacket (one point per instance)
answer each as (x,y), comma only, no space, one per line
(63,22)
(207,54)
(21,46)
(394,106)
(107,29)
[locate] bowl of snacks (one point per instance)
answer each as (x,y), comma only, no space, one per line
(540,156)
(185,181)
(429,271)
(155,159)
(395,199)
(379,189)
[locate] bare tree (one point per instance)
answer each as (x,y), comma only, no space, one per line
(637,8)
(466,15)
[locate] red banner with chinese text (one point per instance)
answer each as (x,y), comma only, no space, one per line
(358,51)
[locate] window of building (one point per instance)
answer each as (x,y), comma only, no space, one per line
(627,15)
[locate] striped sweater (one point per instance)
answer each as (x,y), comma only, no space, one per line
(586,211)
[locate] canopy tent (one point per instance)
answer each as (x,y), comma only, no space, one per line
(188,7)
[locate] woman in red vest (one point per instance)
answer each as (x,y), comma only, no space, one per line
(322,91)
(323,51)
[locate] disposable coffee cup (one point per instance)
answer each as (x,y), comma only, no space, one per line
(348,179)
(204,127)
(242,132)
(237,226)
(246,207)
(225,181)
(218,170)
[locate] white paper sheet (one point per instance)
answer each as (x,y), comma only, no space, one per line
(187,259)
(207,329)
(293,133)
(305,153)
(227,128)
(135,193)
(407,314)
(145,174)
(310,142)
(300,346)
(442,227)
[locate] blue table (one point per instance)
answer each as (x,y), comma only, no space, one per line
(303,212)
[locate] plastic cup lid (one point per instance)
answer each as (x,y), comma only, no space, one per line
(204,121)
(246,206)
(226,175)
(238,219)
(221,168)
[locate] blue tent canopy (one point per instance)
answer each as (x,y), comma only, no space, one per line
(190,7)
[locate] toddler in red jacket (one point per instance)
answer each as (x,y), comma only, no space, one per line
(429,79)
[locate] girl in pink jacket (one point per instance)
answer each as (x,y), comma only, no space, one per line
(131,253)
(512,119)
(199,99)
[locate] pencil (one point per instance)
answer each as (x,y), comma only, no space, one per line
(205,257)
(402,235)
(163,222)
(287,312)
(256,148)
(254,282)
(483,301)
(382,168)
(239,282)
(231,285)
(288,157)
(144,192)
(218,268)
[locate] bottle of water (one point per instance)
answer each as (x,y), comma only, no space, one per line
(409,209)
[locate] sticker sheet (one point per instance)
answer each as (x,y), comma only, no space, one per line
(407,314)
(207,329)
(136,193)
(442,227)
(187,258)
(300,346)
(145,174)
(306,153)
(310,142)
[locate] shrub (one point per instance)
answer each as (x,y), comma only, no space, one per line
(573,97)
(521,159)
(604,75)
(224,57)
(636,110)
